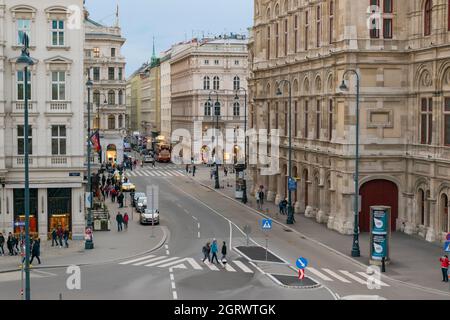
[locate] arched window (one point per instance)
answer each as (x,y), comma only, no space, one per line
(236,109)
(444,213)
(120,97)
(236,83)
(427,17)
(207,109)
(421,207)
(277,10)
(331,23)
(120,121)
(206,83)
(216,83)
(111,122)
(217,109)
(111,97)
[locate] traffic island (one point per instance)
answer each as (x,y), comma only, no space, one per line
(257,253)
(295,282)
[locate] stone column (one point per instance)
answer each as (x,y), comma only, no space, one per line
(271,193)
(434,217)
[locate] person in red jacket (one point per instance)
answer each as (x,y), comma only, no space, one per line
(444,266)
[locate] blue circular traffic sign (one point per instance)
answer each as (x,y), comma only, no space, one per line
(302,263)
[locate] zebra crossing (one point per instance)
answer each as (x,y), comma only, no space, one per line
(344,276)
(187,264)
(156,172)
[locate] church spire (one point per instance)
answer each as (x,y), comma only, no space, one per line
(117,25)
(154,60)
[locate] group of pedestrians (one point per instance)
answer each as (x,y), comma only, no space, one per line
(210,252)
(188,170)
(60,234)
(122,221)
(12,244)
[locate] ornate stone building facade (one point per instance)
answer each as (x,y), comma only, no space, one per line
(106,65)
(401,50)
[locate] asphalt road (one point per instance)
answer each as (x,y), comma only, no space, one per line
(194,214)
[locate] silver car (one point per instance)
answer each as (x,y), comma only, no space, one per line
(150,216)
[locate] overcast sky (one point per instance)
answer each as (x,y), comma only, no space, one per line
(169,21)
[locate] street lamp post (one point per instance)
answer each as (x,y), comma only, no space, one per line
(290,218)
(343,87)
(216,113)
(89,243)
(23,62)
(244,194)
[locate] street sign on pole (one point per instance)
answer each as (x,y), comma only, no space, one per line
(301,263)
(301,274)
(266,224)
(447,246)
(292,184)
(448,236)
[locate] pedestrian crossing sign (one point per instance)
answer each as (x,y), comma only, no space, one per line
(266,224)
(447,246)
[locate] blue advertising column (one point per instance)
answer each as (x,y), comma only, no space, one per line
(380,234)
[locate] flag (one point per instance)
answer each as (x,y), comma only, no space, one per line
(95,141)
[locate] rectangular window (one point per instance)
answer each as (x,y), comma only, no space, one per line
(21,86)
(306,30)
(206,62)
(276,115)
(111,71)
(21,140)
(295,33)
(236,62)
(268,44)
(277,37)
(331,23)
(57,32)
(120,73)
(58,85)
(447,122)
(285,37)
(305,127)
(96,74)
(216,62)
(59,140)
(295,118)
(448,15)
(268,118)
(23,26)
(319,27)
(286,119)
(387,8)
(318,118)
(426,121)
(113,52)
(96,52)
(330,121)
(387,28)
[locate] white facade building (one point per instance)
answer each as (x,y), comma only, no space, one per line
(166,107)
(55,116)
(102,56)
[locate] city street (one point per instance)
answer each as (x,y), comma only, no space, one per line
(192,216)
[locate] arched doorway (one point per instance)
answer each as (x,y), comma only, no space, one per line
(378,193)
(204,151)
(444,212)
(111,153)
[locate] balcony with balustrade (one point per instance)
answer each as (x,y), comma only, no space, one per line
(59,107)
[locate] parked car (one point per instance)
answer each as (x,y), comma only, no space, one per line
(136,196)
(141,204)
(148,158)
(150,216)
(128,187)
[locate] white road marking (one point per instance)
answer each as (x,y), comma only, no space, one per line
(173,285)
(136,260)
(211,266)
(199,235)
(167,252)
(162,261)
(175,296)
(152,173)
(381,283)
(198,225)
(179,174)
(179,266)
(194,217)
(334,274)
(166,246)
(319,274)
(172,277)
(353,277)
(150,260)
(228,267)
(169,174)
(243,266)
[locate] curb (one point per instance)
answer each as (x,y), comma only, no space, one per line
(157,247)
(362,265)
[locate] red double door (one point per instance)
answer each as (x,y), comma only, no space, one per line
(378,193)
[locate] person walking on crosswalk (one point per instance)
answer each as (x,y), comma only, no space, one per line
(214,250)
(206,250)
(224,253)
(194,168)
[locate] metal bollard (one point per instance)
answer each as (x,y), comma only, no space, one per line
(383,264)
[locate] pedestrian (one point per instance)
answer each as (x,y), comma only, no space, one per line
(444,267)
(120,199)
(66,237)
(214,250)
(212,173)
(113,195)
(119,220)
(103,180)
(261,195)
(10,243)
(36,250)
(281,207)
(206,250)
(16,249)
(2,243)
(194,168)
(225,171)
(54,235)
(224,253)
(187,168)
(125,220)
(60,234)
(258,200)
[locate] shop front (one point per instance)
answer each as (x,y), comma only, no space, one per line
(59,209)
(19,212)
(111,153)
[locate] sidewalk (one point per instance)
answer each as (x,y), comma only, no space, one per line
(413,260)
(108,245)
